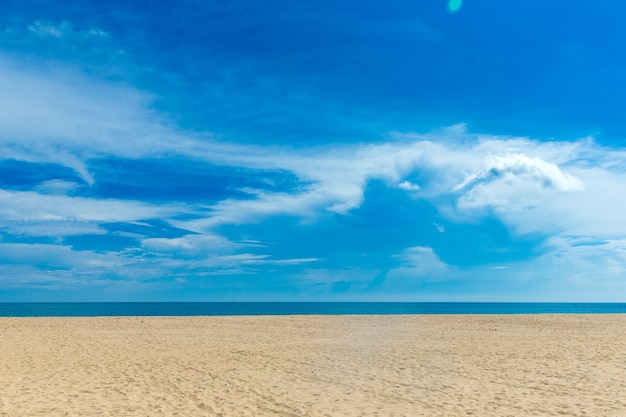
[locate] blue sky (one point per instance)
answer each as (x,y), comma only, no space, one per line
(302,151)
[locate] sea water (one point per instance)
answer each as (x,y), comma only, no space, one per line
(295,308)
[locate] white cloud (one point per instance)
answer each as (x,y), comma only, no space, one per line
(519,168)
(530,207)
(292,261)
(192,245)
(29,205)
(408,186)
(417,265)
(49,29)
(68,119)
(243,259)
(58,257)
(58,187)
(501,177)
(573,269)
(211,254)
(419,261)
(57,265)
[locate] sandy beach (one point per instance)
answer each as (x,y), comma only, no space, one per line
(460,365)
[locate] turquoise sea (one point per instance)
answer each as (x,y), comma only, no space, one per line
(289,308)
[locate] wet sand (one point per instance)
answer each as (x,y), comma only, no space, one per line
(458,365)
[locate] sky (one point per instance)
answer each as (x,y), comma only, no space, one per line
(312,151)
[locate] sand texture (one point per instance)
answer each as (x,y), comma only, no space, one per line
(548,365)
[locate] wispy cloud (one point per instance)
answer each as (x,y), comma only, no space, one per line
(63,29)
(56,228)
(418,261)
(29,205)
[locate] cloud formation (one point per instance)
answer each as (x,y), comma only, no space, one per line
(562,191)
(101,120)
(519,168)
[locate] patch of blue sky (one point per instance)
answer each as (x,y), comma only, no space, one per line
(146,228)
(101,243)
(176,179)
(22,175)
(504,68)
(387,222)
(29,240)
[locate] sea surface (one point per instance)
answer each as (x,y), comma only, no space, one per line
(298,308)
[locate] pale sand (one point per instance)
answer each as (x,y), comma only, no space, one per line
(314,366)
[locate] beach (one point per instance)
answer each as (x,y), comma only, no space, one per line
(387,365)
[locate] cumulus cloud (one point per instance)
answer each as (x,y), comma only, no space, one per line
(520,168)
(500,176)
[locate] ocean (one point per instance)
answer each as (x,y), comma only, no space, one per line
(296,308)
